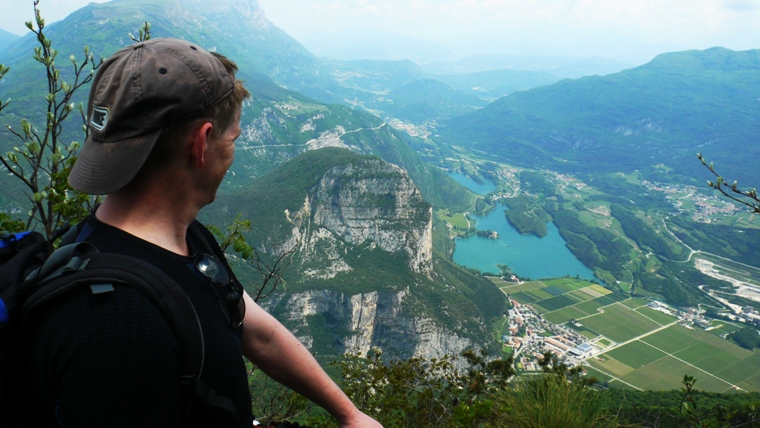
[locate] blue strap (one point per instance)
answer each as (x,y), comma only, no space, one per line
(7,241)
(3,312)
(84,232)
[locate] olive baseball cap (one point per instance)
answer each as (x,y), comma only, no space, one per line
(134,94)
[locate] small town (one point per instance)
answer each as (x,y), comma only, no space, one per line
(531,335)
(705,207)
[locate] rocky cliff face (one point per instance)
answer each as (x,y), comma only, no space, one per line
(376,201)
(369,203)
(369,320)
(365,208)
(363,274)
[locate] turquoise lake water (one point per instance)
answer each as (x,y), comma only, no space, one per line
(527,255)
(480,189)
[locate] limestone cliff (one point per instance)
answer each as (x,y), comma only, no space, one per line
(363,274)
(366,321)
(367,202)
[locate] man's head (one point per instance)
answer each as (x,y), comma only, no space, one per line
(145,98)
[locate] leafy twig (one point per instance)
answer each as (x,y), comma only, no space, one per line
(732,191)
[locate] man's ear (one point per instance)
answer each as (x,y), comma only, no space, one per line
(200,138)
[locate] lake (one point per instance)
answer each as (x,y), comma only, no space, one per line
(527,255)
(480,189)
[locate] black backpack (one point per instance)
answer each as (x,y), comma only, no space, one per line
(33,276)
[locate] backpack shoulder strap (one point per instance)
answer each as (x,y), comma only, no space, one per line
(70,268)
(79,266)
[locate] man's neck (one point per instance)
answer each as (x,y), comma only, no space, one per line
(157,220)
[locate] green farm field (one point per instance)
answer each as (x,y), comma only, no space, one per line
(660,360)
(619,323)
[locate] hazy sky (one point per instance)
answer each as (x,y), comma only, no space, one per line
(584,27)
(612,28)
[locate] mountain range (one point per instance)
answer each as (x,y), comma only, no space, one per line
(6,40)
(663,112)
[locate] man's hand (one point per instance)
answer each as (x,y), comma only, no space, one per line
(360,420)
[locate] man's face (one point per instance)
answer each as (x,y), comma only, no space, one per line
(221,152)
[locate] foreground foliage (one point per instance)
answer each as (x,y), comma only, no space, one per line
(552,401)
(42,162)
(472,391)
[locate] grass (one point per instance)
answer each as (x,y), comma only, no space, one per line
(580,295)
(589,307)
(635,302)
(556,290)
(612,366)
(551,401)
(716,363)
(525,286)
(458,220)
(523,298)
(599,289)
(600,376)
(672,339)
(668,372)
(700,352)
(656,361)
(584,331)
(741,371)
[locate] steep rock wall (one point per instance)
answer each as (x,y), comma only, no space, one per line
(375,201)
(375,319)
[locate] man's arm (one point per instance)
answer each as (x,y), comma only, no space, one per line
(274,349)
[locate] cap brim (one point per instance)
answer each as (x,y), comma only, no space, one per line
(103,168)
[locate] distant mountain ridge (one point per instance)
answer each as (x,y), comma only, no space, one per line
(660,113)
(427,100)
(6,40)
(558,65)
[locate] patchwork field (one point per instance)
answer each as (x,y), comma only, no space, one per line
(661,359)
(647,349)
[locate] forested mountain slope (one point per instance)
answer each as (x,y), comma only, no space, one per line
(660,113)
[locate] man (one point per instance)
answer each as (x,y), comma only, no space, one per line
(163,119)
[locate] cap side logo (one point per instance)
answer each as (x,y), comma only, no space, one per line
(99,118)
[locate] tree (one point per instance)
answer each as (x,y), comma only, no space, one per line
(42,162)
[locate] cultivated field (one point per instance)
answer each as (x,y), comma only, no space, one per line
(644,348)
(660,360)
